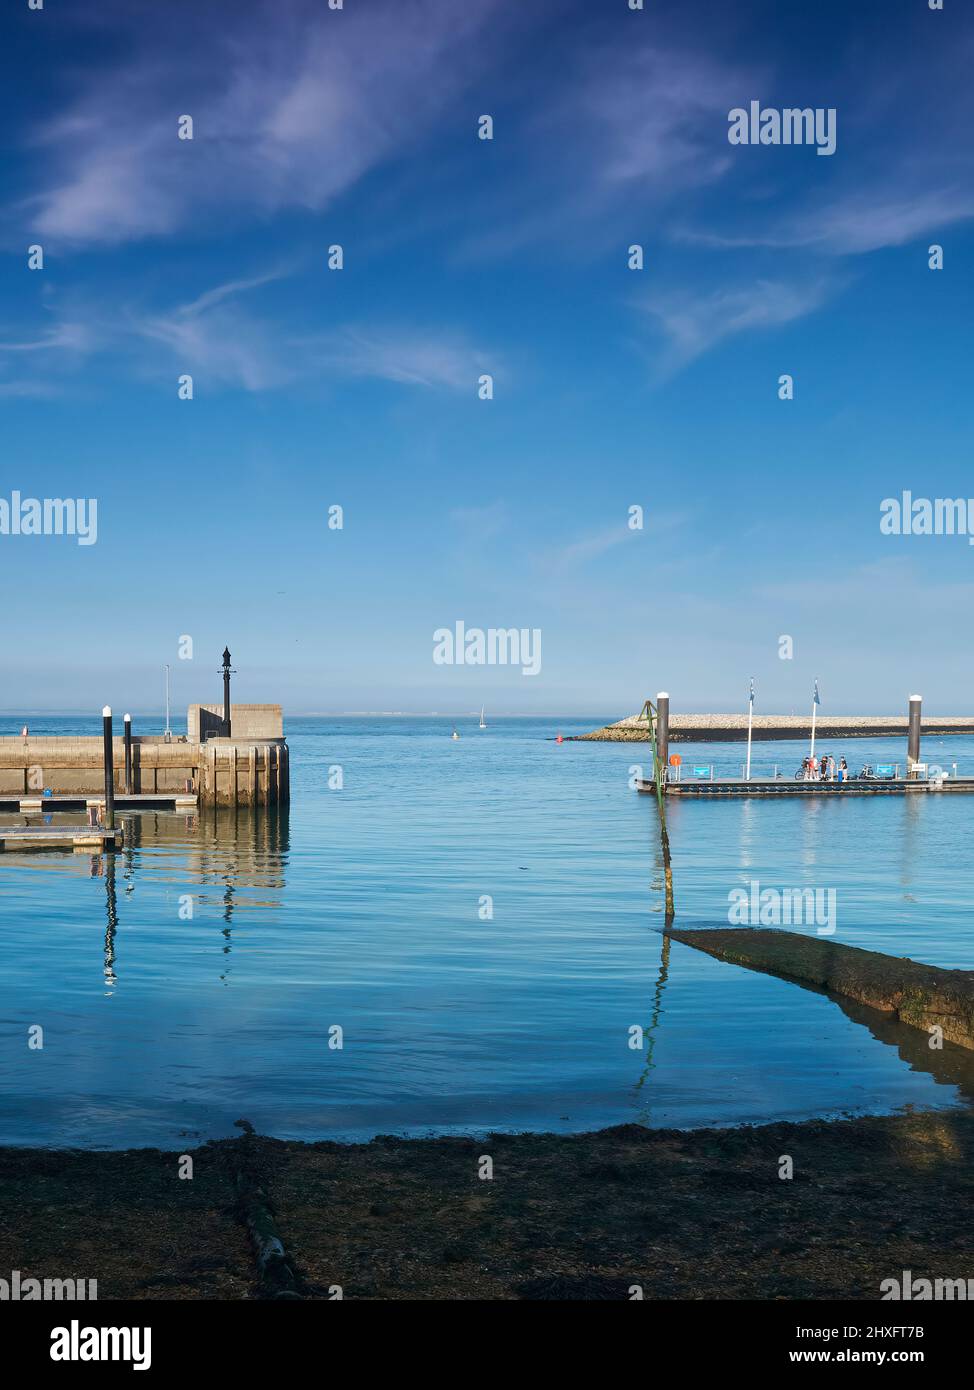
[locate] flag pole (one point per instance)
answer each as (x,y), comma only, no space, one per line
(811,751)
(750,717)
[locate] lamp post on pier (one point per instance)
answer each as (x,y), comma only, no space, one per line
(226,691)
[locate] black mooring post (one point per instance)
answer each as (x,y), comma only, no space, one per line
(128,754)
(913,735)
(663,729)
(226,690)
(106,716)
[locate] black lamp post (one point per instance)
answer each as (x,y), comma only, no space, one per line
(226,691)
(127,726)
(106,719)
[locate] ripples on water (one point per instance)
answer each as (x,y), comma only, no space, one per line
(362,909)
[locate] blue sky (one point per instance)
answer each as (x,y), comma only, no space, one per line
(359,387)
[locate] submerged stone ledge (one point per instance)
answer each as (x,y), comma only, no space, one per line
(923,996)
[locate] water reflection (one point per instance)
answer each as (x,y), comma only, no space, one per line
(654,1020)
(811,831)
(912,823)
(949,1065)
(111,911)
(748,834)
(236,849)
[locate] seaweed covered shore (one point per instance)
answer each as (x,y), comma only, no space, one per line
(616,1214)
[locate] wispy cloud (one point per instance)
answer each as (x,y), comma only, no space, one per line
(226,340)
(656,117)
(63,337)
(210,298)
(854,224)
(291,105)
(587,548)
(226,345)
(636,125)
(216,334)
(47,356)
(694,323)
(405,356)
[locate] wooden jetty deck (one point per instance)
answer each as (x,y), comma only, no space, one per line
(80,837)
(135,801)
(781,786)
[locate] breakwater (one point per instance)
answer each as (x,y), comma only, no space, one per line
(732,728)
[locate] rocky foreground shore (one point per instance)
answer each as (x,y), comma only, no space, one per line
(732,728)
(701,1214)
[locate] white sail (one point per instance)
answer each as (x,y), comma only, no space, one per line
(482,724)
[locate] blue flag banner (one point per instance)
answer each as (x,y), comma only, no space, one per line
(816,701)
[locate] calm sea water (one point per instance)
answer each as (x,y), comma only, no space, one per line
(366,909)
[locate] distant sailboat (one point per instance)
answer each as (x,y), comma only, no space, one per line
(454,734)
(482,723)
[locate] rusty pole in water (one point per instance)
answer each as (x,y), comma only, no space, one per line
(661,746)
(663,729)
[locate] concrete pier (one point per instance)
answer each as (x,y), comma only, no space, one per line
(249,769)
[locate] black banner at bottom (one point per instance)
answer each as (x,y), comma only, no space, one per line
(248,1336)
